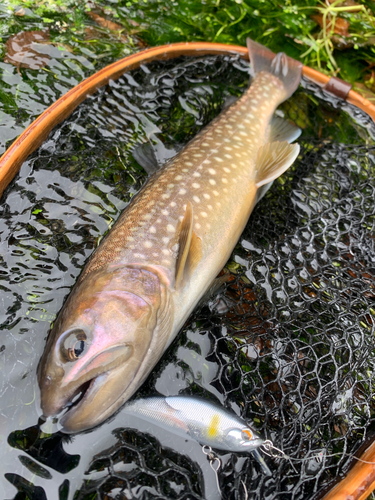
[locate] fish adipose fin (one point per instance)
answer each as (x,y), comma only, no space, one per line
(286,69)
(273,159)
(189,248)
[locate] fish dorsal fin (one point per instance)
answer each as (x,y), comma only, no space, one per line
(282,130)
(273,159)
(189,248)
(153,156)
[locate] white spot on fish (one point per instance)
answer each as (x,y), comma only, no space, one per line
(166,196)
(212,182)
(196,199)
(170,228)
(170,186)
(212,171)
(165,212)
(197,225)
(225,181)
(196,185)
(165,240)
(204,214)
(217,158)
(207,196)
(215,193)
(172,204)
(178,178)
(196,174)
(182,191)
(152,229)
(147,244)
(165,251)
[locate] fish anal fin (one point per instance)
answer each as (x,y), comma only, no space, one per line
(189,249)
(273,159)
(283,130)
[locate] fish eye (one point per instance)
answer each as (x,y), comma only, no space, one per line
(74,345)
(246,434)
(77,350)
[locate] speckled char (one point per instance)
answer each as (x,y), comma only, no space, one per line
(162,255)
(215,173)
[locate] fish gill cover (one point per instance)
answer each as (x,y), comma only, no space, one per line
(287,343)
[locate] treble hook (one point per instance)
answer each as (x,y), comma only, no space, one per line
(269,449)
(213,459)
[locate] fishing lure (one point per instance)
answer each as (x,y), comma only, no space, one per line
(207,423)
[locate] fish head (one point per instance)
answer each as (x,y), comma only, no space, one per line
(243,439)
(97,346)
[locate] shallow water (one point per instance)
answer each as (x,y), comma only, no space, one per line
(293,354)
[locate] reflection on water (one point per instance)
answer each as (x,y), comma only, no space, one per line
(300,277)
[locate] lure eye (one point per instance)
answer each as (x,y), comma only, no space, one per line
(246,434)
(74,345)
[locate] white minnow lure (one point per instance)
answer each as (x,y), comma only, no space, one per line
(206,422)
(163,254)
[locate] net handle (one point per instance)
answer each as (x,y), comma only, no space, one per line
(38,130)
(359,482)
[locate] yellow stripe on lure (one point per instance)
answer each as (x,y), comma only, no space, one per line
(148,274)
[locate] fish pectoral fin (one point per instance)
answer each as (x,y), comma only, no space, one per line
(189,248)
(282,130)
(273,159)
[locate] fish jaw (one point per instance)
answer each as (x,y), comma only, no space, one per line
(99,345)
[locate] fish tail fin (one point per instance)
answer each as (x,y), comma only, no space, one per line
(286,69)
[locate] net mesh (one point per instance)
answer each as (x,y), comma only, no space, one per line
(287,343)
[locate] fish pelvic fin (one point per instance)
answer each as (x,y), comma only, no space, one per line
(273,159)
(189,249)
(286,69)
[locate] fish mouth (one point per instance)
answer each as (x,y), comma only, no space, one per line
(98,397)
(79,395)
(81,398)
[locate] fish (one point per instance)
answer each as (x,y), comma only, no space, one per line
(201,420)
(163,254)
